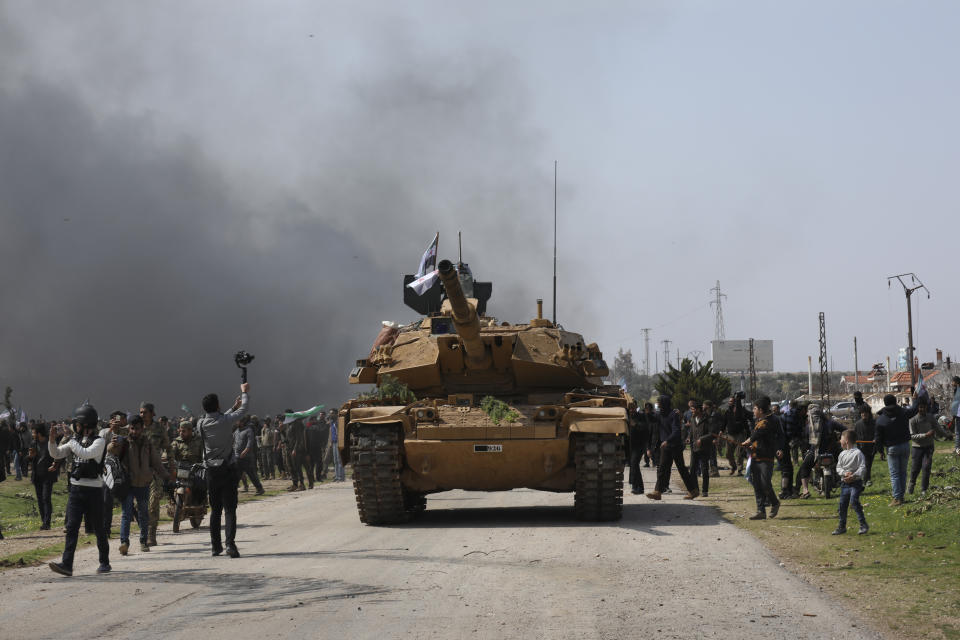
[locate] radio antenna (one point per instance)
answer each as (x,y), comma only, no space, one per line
(460,243)
(554,242)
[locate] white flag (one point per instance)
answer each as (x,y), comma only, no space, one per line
(427,271)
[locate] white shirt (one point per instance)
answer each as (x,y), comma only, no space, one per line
(95,450)
(851,460)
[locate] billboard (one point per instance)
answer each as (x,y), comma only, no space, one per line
(734,355)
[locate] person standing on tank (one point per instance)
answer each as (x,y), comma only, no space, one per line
(216,434)
(671,451)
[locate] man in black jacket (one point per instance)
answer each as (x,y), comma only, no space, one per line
(866,428)
(44,474)
(703,429)
(736,425)
(639,444)
(318,433)
(671,451)
(893,434)
(765,439)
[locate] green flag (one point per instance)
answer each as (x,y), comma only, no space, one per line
(297,415)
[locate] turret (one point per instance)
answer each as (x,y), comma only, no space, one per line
(464,318)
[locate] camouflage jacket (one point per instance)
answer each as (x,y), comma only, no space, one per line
(190,452)
(160,441)
(297,436)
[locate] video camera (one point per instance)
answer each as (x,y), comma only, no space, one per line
(242,359)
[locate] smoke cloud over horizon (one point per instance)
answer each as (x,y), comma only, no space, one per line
(138,254)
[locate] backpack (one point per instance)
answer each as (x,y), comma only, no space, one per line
(115,477)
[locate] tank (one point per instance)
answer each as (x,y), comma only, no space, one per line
(463,401)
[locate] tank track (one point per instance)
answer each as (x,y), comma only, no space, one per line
(599,460)
(375,452)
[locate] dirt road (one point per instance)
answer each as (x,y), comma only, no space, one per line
(503,565)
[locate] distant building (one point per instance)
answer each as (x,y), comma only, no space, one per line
(868,383)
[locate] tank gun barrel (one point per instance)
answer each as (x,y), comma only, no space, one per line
(464,317)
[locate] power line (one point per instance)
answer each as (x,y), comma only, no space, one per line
(908,291)
(719,332)
(646,351)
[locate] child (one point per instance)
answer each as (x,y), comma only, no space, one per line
(851,465)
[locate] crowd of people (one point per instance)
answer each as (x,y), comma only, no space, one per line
(797,440)
(132,459)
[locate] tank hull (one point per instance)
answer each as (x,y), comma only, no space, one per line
(488,465)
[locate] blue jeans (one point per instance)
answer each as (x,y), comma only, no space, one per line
(897,457)
(850,493)
(142,494)
(338,471)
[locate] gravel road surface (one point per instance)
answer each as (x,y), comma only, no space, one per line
(500,565)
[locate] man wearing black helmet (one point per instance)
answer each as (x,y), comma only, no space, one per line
(85,500)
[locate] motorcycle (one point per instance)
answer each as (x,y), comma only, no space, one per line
(189,497)
(825,473)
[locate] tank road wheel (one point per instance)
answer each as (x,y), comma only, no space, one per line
(598,494)
(375,451)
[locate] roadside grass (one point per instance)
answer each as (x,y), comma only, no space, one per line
(20,517)
(18,506)
(902,576)
(40,554)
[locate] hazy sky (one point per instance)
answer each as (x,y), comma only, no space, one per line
(181,181)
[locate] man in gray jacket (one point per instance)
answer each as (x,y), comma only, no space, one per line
(216,433)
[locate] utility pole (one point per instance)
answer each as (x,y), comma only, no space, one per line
(646,352)
(718,330)
(824,375)
(666,353)
(753,374)
(908,291)
(810,375)
(678,358)
(856,366)
(554,243)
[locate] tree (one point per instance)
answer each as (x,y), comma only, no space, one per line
(624,373)
(690,382)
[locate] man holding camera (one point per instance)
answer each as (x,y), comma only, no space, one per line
(118,427)
(85,501)
(142,462)
(216,433)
